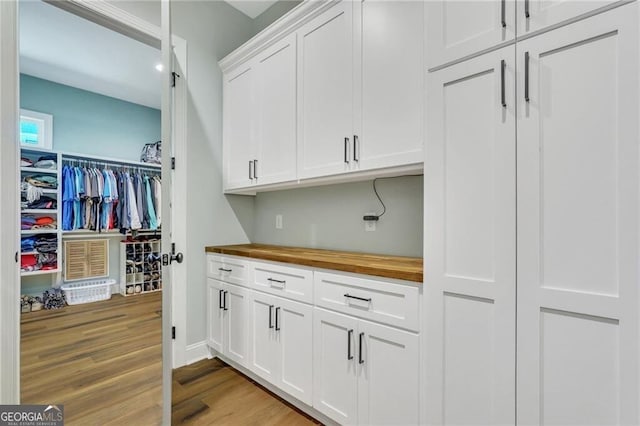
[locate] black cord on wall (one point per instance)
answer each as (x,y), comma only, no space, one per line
(375,190)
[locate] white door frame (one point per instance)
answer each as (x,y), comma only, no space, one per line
(105,14)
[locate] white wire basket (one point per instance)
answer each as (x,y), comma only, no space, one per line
(87,291)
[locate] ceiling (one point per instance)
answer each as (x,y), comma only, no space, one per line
(251,8)
(59,46)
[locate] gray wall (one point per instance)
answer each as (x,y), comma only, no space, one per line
(331,217)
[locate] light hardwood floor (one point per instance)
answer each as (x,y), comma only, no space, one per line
(103,362)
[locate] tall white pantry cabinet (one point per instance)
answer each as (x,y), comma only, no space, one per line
(532,172)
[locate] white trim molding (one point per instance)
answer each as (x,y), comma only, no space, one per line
(197,352)
(9,225)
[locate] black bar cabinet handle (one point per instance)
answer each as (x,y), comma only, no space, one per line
(346,150)
(224,270)
(270,312)
(220,302)
(349,354)
(355,147)
(503,100)
(503,14)
(250,170)
(273,280)
(278,318)
(357,298)
(225,301)
(360,357)
(526,76)
(255,169)
(526,9)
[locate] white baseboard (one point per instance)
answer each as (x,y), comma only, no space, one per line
(197,351)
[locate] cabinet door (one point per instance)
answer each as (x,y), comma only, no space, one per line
(326,92)
(236,342)
(470,252)
(456,29)
(534,15)
(263,359)
(294,321)
(392,84)
(578,221)
(276,112)
(215,314)
(239,106)
(389,365)
(335,392)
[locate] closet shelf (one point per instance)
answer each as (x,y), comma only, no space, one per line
(46,191)
(40,211)
(37,170)
(39,231)
(40,272)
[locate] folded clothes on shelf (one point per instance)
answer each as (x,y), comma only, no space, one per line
(25,162)
(42,243)
(43,203)
(29,222)
(42,181)
(38,262)
(44,163)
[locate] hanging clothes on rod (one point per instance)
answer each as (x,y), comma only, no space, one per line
(102,196)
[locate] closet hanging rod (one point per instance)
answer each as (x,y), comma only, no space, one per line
(111,164)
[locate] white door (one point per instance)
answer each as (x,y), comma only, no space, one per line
(392,85)
(578,221)
(215,314)
(470,253)
(388,382)
(265,349)
(9,266)
(295,330)
(335,379)
(236,341)
(456,29)
(238,128)
(534,15)
(325,85)
(276,112)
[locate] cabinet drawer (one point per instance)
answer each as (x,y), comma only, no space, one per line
(390,303)
(227,269)
(292,283)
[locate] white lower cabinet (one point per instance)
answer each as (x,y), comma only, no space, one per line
(227,320)
(281,343)
(364,373)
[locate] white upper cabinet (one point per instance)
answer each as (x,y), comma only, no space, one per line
(534,15)
(275,74)
(578,221)
(341,92)
(325,86)
(239,128)
(392,85)
(470,212)
(456,29)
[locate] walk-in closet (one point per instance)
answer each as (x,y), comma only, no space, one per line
(90,215)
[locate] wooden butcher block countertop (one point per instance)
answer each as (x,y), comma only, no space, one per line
(401,268)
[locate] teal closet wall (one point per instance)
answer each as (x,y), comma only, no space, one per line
(89,123)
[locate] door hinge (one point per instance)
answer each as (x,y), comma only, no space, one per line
(173,333)
(173,163)
(173,78)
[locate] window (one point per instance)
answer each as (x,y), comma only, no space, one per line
(36,129)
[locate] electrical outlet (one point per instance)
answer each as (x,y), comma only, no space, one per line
(278,221)
(370,225)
